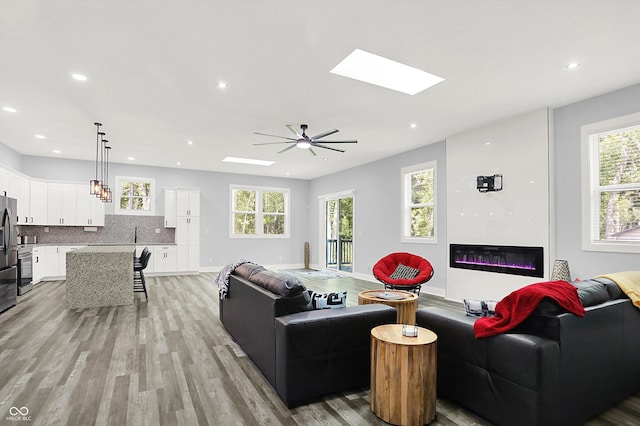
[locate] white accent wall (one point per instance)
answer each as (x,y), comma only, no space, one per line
(519,215)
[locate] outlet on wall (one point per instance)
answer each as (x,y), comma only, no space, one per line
(157,230)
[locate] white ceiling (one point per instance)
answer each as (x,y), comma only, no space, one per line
(153,68)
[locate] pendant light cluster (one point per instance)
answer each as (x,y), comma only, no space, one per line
(100,185)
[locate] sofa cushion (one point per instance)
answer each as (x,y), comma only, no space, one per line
(591,292)
(278,282)
(247,269)
(328,300)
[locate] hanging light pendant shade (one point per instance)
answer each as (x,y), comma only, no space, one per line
(100,185)
(94,184)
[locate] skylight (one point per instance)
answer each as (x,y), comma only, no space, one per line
(248,161)
(374,69)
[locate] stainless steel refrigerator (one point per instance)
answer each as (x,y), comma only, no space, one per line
(8,253)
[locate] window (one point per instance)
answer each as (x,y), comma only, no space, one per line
(134,196)
(418,203)
(259,212)
(611,185)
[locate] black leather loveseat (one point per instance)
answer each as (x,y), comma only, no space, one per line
(556,368)
(304,354)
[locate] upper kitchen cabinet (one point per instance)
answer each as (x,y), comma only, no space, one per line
(188,202)
(170,208)
(38,202)
(62,204)
(90,209)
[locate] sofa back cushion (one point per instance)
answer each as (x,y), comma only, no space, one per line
(278,282)
(247,269)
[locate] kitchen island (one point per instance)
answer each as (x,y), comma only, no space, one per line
(100,276)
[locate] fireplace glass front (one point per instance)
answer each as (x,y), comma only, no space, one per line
(516,260)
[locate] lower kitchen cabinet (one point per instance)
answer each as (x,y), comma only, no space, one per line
(50,262)
(166,259)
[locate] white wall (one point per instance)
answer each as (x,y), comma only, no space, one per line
(517,148)
(567,123)
(10,158)
(377,212)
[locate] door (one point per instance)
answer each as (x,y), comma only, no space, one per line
(338,213)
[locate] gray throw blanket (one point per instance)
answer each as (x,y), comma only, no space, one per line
(223,277)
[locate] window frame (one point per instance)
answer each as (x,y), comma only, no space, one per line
(591,189)
(260,213)
(406,204)
(119,180)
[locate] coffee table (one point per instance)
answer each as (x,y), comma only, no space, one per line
(405,302)
(403,375)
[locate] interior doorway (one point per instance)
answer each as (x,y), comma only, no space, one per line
(338,231)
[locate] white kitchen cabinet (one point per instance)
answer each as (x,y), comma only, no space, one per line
(170,208)
(38,204)
(38,265)
(51,262)
(165,259)
(188,229)
(188,202)
(24,201)
(188,243)
(62,204)
(89,208)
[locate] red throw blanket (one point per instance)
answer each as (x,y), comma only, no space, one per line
(518,305)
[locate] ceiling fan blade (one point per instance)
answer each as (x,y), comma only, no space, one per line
(287,148)
(327,147)
(339,141)
(312,151)
(322,135)
(294,131)
(274,143)
(274,136)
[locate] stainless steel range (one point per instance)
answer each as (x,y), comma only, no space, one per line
(25,268)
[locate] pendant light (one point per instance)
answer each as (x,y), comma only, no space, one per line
(95,184)
(100,185)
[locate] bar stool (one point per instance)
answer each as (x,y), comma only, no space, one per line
(139,284)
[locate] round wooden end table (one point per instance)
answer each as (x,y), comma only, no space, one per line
(405,302)
(403,375)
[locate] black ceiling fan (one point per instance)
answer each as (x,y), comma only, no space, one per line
(303,141)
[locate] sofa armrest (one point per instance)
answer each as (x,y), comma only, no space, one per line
(510,378)
(325,351)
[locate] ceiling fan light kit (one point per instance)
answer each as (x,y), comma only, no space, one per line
(303,141)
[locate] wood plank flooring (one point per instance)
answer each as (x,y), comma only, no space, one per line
(167,362)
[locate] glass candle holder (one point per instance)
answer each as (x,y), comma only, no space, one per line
(409,330)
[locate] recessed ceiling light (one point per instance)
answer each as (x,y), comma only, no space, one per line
(189,142)
(40,136)
(222,85)
(10,109)
(288,174)
(248,161)
(57,151)
(79,77)
(413,125)
(131,158)
(178,164)
(573,65)
(374,69)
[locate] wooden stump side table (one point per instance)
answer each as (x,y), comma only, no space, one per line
(406,307)
(403,375)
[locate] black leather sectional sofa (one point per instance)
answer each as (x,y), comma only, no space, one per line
(303,354)
(554,369)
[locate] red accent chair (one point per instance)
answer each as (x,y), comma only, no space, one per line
(385,267)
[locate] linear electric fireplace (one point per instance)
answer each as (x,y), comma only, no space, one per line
(516,260)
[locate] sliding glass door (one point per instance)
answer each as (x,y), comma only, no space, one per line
(338,236)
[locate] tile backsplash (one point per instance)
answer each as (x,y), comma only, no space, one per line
(117,229)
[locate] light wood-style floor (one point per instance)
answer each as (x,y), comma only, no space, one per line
(167,362)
